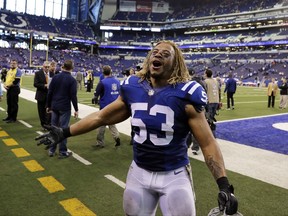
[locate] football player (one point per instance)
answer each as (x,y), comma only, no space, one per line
(164,106)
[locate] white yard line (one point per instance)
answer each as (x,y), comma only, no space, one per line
(79,158)
(116,181)
(256,117)
(25,123)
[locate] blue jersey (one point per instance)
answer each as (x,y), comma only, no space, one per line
(108,90)
(159,121)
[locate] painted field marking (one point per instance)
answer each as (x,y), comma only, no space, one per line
(39,132)
(281,126)
(76,208)
(51,184)
(2,109)
(116,181)
(25,123)
(3,134)
(20,152)
(79,158)
(33,166)
(10,142)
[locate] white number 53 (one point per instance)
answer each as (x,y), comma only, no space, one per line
(165,126)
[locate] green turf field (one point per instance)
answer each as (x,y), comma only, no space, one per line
(22,193)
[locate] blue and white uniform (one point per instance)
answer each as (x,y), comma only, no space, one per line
(159,172)
(157,121)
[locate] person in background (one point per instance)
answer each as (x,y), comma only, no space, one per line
(230,88)
(53,69)
(108,91)
(283,94)
(62,91)
(164,105)
(131,71)
(1,92)
(272,92)
(89,80)
(41,82)
(191,139)
(213,94)
(3,74)
(79,79)
(12,86)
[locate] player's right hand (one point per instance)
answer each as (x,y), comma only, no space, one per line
(51,138)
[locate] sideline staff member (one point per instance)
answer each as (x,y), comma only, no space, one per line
(12,85)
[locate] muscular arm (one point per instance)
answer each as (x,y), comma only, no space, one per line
(113,113)
(207,142)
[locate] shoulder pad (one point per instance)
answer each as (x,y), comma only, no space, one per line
(130,80)
(194,92)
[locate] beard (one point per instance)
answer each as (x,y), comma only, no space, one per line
(155,75)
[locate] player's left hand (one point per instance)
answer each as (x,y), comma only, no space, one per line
(227,201)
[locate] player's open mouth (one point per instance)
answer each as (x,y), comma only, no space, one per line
(156,64)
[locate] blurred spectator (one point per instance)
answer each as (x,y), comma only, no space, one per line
(108,90)
(89,80)
(62,92)
(41,80)
(283,94)
(230,88)
(12,85)
(272,91)
(79,79)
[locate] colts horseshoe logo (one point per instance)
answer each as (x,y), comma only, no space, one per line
(281,126)
(21,25)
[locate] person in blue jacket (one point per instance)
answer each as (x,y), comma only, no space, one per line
(108,90)
(62,92)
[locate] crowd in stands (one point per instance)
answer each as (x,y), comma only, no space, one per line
(250,67)
(14,20)
(246,64)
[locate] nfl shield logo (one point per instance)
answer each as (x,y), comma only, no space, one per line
(114,86)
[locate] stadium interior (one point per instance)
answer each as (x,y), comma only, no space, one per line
(248,38)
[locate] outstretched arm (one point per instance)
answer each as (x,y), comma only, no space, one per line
(113,113)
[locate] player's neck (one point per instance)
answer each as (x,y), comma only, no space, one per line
(158,83)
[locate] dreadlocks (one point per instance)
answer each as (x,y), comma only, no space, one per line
(180,72)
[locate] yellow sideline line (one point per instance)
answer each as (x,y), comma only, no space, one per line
(3,134)
(20,152)
(72,206)
(76,208)
(10,142)
(33,166)
(51,184)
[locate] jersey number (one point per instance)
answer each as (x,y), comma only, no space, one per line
(165,126)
